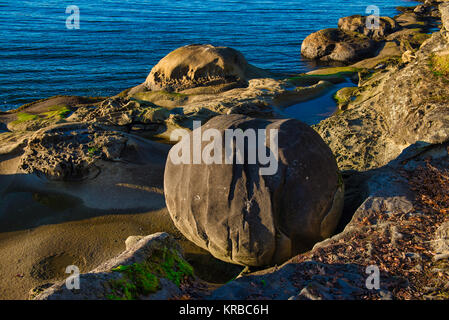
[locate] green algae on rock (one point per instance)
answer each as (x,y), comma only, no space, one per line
(337,45)
(334,75)
(402,98)
(344,96)
(439,62)
(392,109)
(151,268)
(32,122)
(142,279)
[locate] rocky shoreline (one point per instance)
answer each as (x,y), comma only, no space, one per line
(76,158)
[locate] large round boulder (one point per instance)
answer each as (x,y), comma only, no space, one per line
(336,45)
(244,216)
(199,66)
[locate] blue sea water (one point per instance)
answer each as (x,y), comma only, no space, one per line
(320,108)
(119,41)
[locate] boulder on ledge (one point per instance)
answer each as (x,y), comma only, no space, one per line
(200,66)
(358,23)
(336,45)
(246,218)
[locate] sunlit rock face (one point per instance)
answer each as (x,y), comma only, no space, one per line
(244,216)
(199,66)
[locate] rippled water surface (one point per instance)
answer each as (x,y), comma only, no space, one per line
(119,41)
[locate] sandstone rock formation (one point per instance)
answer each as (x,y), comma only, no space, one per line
(104,169)
(77,158)
(200,66)
(250,219)
(355,39)
(444,9)
(358,23)
(383,232)
(151,269)
(396,122)
(392,110)
(336,45)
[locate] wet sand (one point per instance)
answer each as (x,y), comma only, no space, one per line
(38,256)
(43,232)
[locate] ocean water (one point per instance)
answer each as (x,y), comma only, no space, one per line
(119,41)
(320,108)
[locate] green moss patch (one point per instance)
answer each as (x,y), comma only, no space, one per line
(23,116)
(440,65)
(418,39)
(334,75)
(344,95)
(137,280)
(142,279)
(57,112)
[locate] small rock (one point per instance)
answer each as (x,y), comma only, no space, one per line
(413,255)
(441,256)
(408,56)
(380,66)
(385,295)
(132,240)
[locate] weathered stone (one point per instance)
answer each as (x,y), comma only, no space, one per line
(391,111)
(111,169)
(441,244)
(336,268)
(246,218)
(444,10)
(132,240)
(199,66)
(358,23)
(421,9)
(108,282)
(336,45)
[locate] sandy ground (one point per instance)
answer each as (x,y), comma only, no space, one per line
(38,256)
(42,233)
